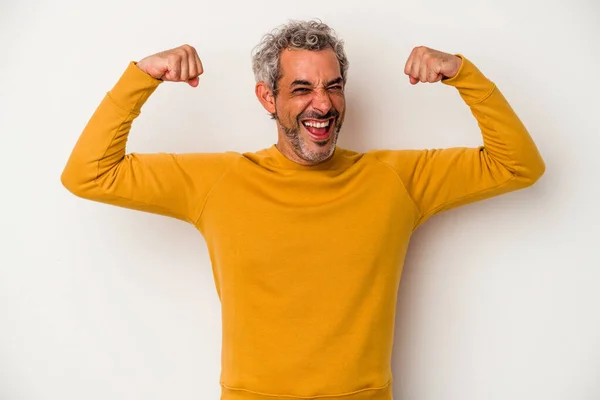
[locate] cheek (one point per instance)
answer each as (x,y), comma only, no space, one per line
(339,102)
(295,108)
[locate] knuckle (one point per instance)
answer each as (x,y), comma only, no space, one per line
(188,49)
(424,51)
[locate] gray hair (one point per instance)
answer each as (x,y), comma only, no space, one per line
(306,35)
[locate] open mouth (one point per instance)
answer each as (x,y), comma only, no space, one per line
(319,130)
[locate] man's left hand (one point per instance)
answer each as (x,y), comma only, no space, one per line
(428,65)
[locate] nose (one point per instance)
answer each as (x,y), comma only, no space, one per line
(321,101)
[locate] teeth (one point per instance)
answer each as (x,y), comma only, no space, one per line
(317,124)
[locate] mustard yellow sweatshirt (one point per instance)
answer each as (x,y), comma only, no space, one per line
(306,260)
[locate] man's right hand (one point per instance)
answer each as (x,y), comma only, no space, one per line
(180,64)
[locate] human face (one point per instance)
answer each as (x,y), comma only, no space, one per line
(310,105)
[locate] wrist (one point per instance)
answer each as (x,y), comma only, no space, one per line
(140,65)
(456,62)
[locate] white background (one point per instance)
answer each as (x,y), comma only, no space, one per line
(498,300)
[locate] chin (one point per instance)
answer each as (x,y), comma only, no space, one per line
(317,151)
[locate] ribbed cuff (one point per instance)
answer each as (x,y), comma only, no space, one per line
(471,83)
(133,88)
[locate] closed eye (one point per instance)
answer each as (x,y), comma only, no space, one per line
(300,90)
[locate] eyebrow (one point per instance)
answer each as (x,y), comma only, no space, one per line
(302,82)
(334,81)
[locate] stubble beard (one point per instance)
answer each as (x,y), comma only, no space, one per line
(300,145)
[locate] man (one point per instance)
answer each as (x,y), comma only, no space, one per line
(306,239)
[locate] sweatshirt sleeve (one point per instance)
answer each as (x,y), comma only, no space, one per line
(441,179)
(98,169)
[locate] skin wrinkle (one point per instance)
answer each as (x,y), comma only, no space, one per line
(310,88)
(308,52)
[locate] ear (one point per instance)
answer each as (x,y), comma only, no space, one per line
(265,96)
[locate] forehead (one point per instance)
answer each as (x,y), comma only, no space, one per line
(309,65)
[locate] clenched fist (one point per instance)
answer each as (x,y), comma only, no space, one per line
(180,64)
(428,65)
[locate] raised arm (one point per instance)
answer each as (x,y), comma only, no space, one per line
(99,169)
(441,179)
